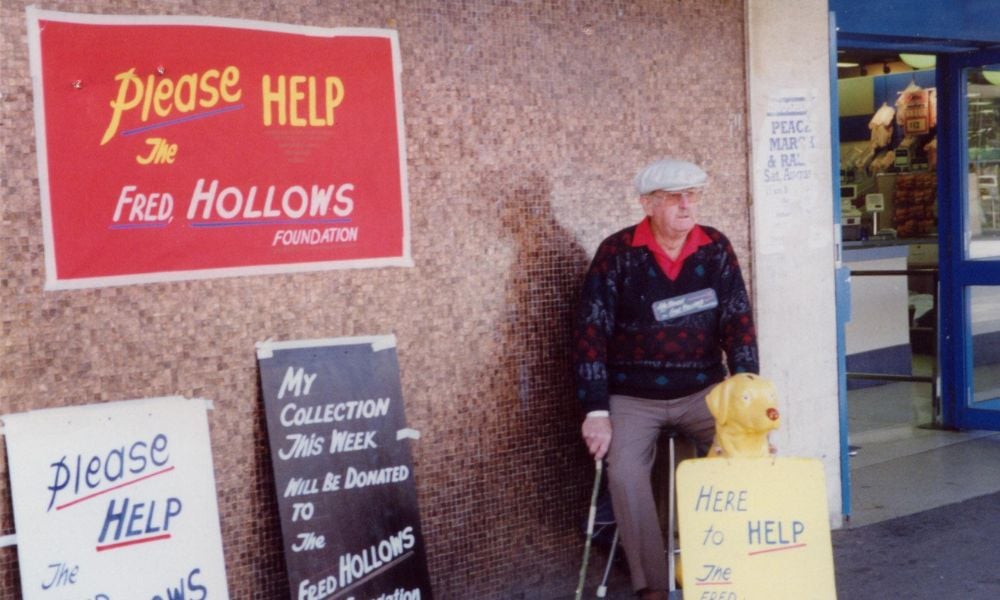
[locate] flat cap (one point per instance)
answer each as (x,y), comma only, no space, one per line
(670,175)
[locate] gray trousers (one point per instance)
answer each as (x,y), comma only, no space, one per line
(636,424)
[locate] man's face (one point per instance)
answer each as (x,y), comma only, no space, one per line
(673,214)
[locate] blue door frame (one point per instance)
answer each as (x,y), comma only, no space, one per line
(957,271)
(841,285)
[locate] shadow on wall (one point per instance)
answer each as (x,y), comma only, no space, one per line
(536,467)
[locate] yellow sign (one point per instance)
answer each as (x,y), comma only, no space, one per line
(754,529)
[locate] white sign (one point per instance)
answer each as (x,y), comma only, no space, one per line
(116,501)
(874,202)
(787,167)
(755,528)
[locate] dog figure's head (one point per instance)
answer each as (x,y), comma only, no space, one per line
(745,408)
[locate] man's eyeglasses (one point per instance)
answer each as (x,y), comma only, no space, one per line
(674,198)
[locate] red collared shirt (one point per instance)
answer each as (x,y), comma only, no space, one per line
(671,267)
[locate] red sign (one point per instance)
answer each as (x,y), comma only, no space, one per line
(186,147)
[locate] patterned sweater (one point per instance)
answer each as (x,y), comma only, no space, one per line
(622,345)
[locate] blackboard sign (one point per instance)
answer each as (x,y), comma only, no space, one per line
(342,469)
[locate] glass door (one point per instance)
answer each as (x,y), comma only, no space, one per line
(969,233)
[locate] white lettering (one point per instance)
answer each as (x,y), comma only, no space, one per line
(360,479)
(296,201)
(313,237)
(355,566)
(294,415)
(319,590)
(350,441)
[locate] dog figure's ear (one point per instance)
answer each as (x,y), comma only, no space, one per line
(717,404)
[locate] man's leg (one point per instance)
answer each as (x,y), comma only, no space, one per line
(635,424)
(691,417)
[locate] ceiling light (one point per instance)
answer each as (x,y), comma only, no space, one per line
(919,61)
(845,65)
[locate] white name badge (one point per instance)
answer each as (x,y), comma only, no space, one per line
(688,304)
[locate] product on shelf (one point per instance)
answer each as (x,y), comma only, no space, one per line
(915,203)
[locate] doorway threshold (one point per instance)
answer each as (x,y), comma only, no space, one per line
(903,473)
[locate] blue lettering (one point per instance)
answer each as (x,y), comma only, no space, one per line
(118,454)
(158,446)
(774,533)
(59,481)
(184,587)
(196,587)
(176,593)
(93,468)
(713,500)
(113,516)
(703,495)
(136,521)
(137,509)
(62,574)
(138,457)
(173,509)
(82,474)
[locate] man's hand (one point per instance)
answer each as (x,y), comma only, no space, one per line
(597,435)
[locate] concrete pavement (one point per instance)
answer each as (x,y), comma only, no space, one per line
(947,553)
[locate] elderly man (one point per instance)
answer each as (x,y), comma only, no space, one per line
(664,311)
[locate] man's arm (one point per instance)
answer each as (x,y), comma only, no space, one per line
(593,328)
(738,332)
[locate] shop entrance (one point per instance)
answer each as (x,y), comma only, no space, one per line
(888,217)
(920,221)
(887,163)
(919,163)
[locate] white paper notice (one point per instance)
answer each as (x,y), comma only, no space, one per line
(787,165)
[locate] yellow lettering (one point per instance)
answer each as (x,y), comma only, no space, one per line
(164,92)
(187,89)
(294,96)
(129,82)
(208,88)
(147,98)
(314,119)
(161,152)
(164,96)
(333,100)
(298,103)
(230,77)
(154,142)
(273,97)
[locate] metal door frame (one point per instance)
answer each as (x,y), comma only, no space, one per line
(958,272)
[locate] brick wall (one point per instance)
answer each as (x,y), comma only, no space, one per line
(525,123)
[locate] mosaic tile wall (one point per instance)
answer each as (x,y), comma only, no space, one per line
(525,123)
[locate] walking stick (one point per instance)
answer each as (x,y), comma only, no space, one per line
(598,468)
